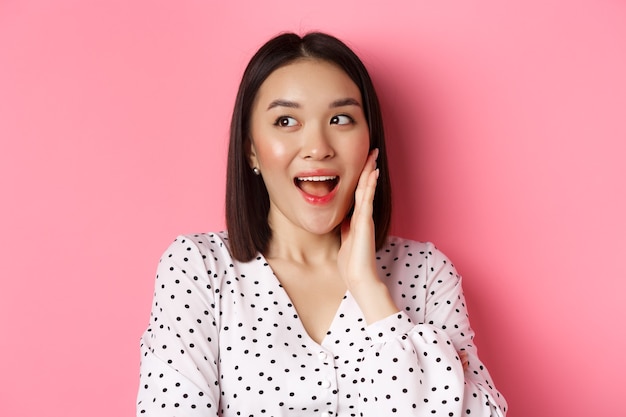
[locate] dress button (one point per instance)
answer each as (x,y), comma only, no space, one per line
(325,383)
(322,356)
(325,414)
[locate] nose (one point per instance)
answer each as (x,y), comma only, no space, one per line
(316,144)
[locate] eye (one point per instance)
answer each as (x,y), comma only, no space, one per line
(341,119)
(285,121)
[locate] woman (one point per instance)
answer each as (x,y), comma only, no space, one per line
(306,307)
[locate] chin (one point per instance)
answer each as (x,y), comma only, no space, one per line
(323,227)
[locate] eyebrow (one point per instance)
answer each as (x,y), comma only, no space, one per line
(283,103)
(345,102)
(294,105)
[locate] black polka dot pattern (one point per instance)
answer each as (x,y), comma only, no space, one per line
(225,340)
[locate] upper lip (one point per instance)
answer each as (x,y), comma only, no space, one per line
(317,173)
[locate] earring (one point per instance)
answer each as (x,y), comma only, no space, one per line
(256,171)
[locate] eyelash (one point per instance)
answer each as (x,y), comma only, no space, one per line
(279,120)
(350,119)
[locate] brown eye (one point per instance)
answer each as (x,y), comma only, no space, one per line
(341,119)
(285,121)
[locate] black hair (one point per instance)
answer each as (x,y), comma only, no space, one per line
(247,200)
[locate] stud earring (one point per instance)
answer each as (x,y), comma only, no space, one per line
(256,171)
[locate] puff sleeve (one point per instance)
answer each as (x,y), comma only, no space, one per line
(413,368)
(179,349)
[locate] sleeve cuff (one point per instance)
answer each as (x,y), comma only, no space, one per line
(389,328)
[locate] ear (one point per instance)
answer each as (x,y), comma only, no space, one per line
(251,154)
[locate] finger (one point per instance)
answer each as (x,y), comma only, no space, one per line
(370,165)
(365,176)
(464,360)
(365,206)
(370,188)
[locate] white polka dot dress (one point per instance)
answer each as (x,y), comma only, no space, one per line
(225,340)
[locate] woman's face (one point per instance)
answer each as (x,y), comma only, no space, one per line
(310,139)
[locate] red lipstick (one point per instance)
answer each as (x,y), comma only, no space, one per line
(311,185)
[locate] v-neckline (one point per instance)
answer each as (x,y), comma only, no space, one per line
(292,306)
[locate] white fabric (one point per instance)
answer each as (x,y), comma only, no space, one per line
(225,340)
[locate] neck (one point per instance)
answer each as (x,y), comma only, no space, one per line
(303,247)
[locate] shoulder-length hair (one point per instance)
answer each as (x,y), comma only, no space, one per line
(247,200)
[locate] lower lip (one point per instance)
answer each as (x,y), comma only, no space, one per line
(319,200)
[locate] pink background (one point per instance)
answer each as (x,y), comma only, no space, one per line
(507,131)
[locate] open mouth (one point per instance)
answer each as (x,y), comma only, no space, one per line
(317,186)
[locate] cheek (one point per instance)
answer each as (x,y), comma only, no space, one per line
(361,150)
(271,152)
(267,147)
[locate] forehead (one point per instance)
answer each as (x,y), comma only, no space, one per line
(308,79)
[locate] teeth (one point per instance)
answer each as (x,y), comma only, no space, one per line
(326,178)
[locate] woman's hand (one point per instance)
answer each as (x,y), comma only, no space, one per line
(464,359)
(357,256)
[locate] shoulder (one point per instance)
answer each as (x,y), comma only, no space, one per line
(397,246)
(412,253)
(211,247)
